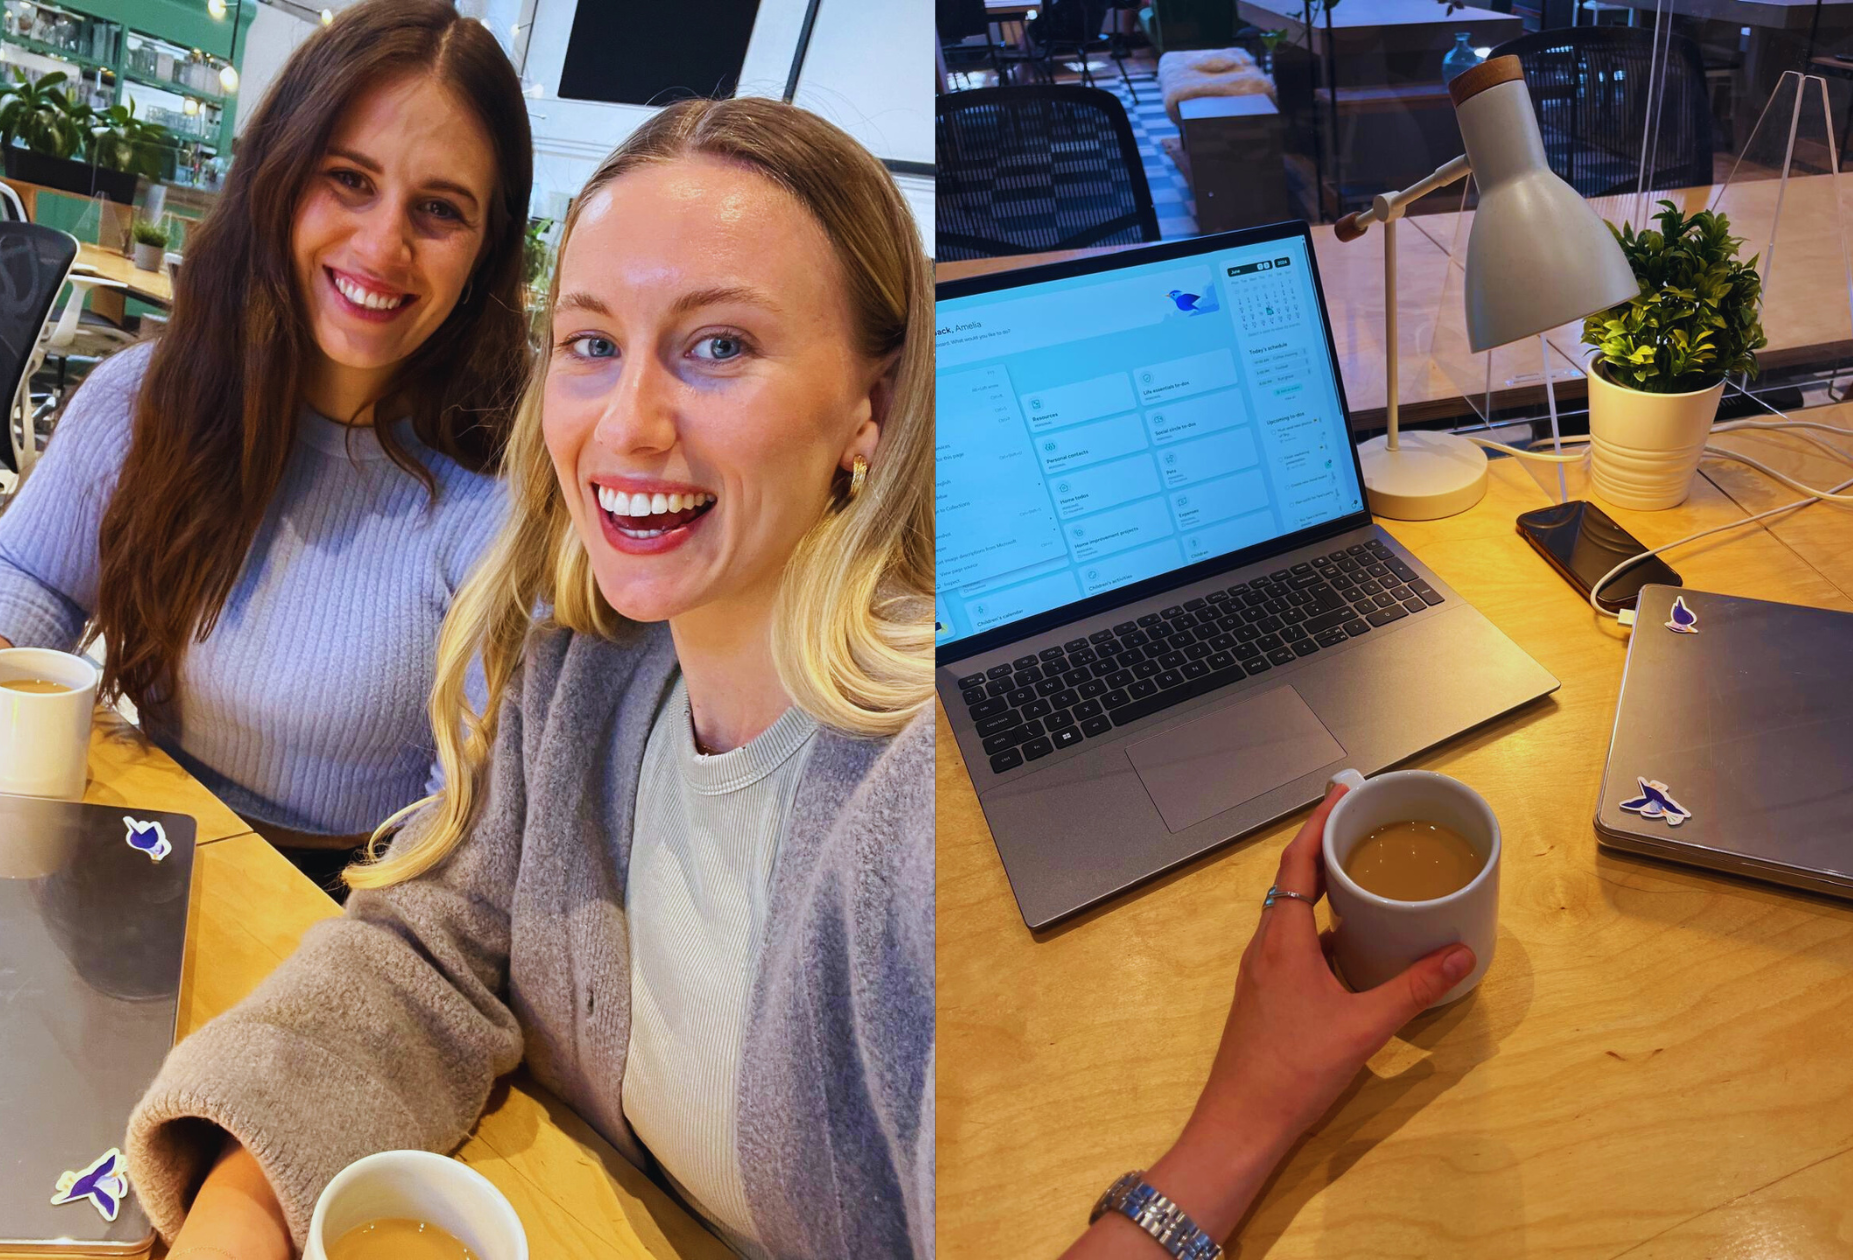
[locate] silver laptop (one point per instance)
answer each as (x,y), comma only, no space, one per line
(1731,740)
(1164,616)
(93,925)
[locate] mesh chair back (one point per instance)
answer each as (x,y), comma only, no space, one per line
(1024,169)
(1591,88)
(34,261)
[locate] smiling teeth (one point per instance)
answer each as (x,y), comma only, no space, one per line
(618,503)
(365,297)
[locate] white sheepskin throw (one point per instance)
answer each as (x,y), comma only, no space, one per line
(1208,72)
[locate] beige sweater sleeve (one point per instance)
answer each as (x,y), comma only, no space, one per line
(384,1030)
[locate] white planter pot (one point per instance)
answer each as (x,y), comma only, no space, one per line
(1646,447)
(148,257)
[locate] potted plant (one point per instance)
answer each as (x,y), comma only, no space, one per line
(1662,356)
(119,141)
(150,244)
(48,139)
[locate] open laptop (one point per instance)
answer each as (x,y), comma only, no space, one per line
(1731,738)
(1164,616)
(93,925)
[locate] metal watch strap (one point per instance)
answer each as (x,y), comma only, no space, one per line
(1168,1224)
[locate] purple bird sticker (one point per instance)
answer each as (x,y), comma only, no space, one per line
(149,838)
(1684,620)
(103,1183)
(1655,802)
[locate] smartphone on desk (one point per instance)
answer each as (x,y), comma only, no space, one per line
(1582,542)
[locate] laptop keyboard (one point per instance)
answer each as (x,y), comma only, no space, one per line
(1088,687)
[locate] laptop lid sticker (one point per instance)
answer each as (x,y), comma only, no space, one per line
(103,1184)
(148,837)
(1656,801)
(1683,620)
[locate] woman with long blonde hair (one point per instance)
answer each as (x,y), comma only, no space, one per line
(683,862)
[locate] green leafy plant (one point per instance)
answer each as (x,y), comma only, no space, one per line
(122,142)
(40,116)
(539,254)
(147,233)
(1694,320)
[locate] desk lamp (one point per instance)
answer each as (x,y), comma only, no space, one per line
(1537,257)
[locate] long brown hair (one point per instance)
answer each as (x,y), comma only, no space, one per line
(216,416)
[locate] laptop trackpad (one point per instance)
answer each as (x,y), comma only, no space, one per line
(1197,770)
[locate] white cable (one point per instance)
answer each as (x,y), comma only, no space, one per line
(1540,456)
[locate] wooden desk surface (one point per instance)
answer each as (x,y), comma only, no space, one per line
(1655,1064)
(576,1196)
(149,286)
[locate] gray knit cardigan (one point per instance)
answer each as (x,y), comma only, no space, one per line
(388,1026)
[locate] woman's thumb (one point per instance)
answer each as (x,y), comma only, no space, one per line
(1401,998)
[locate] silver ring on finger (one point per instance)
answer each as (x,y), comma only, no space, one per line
(1278,892)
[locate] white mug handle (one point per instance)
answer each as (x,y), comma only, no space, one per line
(1349,777)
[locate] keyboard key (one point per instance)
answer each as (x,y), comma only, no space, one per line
(1280,575)
(1100,636)
(1125,628)
(1384,601)
(1075,645)
(1414,605)
(997,671)
(1024,677)
(1170,678)
(1357,549)
(1402,570)
(997,743)
(1142,688)
(1171,660)
(1176,610)
(1049,686)
(1083,656)
(1037,708)
(1116,699)
(1037,748)
(999,687)
(1304,647)
(1222,643)
(1137,639)
(1246,651)
(1252,599)
(1096,726)
(1301,568)
(1049,653)
(1399,593)
(1065,699)
(1093,687)
(1120,678)
(1247,634)
(1021,696)
(1219,597)
(1330,638)
(1357,626)
(1088,709)
(1075,677)
(1195,669)
(1023,662)
(1191,605)
(1326,621)
(1428,594)
(1257,666)
(973,697)
(1146,669)
(1030,730)
(1268,642)
(990,708)
(1058,719)
(1384,616)
(1377,570)
(1102,667)
(1282,656)
(971,680)
(1220,660)
(1067,737)
(1196,651)
(1009,759)
(1002,722)
(1149,620)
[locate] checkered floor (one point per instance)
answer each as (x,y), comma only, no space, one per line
(1171,195)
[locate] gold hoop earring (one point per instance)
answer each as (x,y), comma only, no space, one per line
(858,473)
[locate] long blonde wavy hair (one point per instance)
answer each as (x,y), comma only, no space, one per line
(852,638)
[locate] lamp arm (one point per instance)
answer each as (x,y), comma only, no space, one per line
(1386,209)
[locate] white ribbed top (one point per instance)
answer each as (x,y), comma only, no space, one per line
(702,846)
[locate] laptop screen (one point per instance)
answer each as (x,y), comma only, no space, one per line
(1099,430)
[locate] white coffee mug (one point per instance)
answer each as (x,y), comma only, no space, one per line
(45,738)
(1378,937)
(419,1186)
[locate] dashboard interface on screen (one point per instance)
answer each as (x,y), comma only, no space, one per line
(1100,430)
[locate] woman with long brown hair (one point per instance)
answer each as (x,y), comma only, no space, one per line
(264,513)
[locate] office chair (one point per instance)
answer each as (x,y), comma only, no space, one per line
(35,262)
(1046,166)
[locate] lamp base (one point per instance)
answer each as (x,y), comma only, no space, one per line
(1430,475)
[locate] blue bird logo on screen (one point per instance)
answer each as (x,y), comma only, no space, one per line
(103,1183)
(1655,802)
(1684,620)
(1193,303)
(149,838)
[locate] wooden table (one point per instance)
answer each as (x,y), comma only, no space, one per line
(577,1197)
(149,286)
(1654,1067)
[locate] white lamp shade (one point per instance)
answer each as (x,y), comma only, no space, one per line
(1538,256)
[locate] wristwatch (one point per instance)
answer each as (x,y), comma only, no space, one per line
(1164,1220)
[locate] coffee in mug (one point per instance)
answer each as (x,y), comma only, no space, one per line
(35,686)
(1413,861)
(399,1238)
